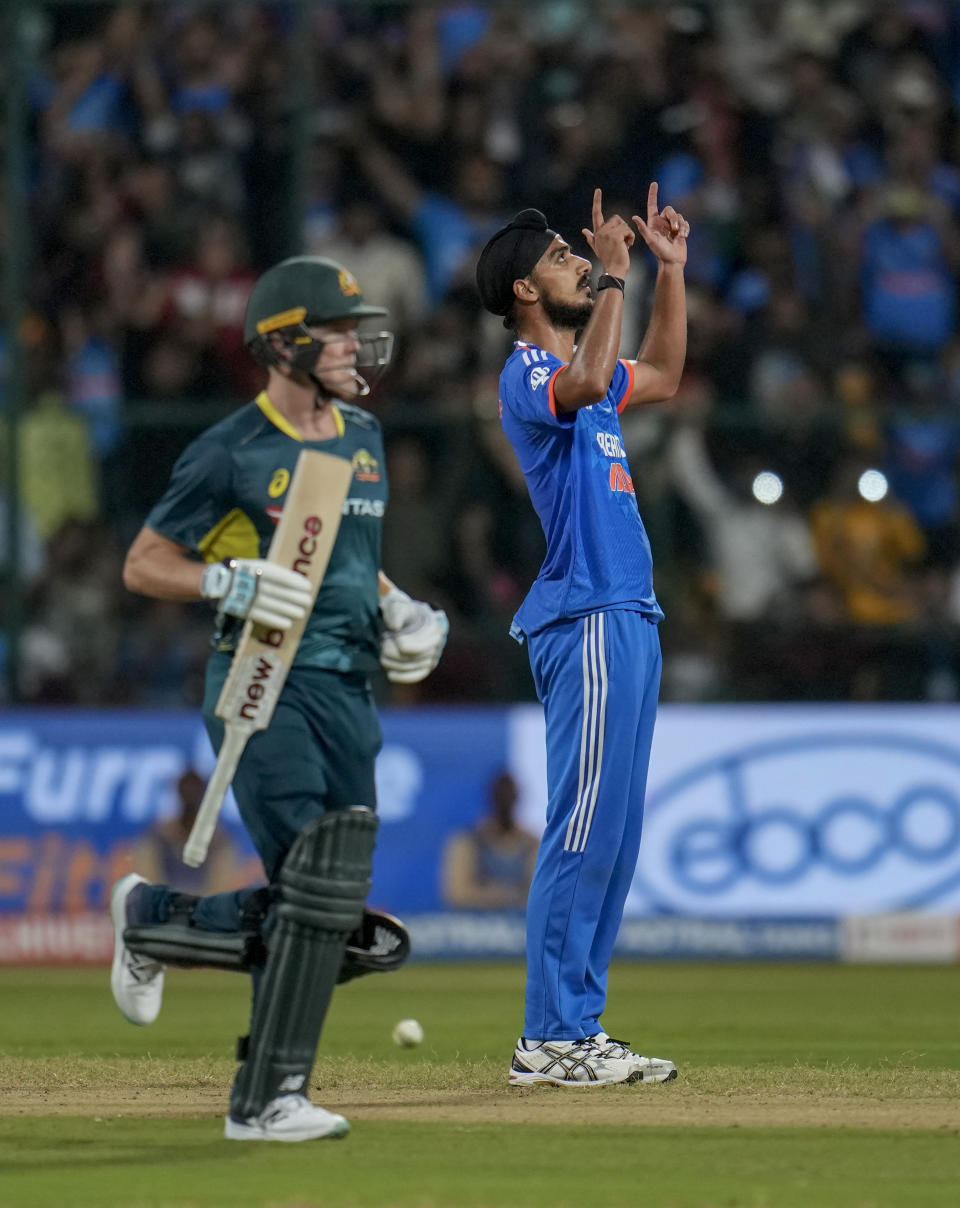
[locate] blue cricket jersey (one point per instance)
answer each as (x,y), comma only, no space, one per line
(575,466)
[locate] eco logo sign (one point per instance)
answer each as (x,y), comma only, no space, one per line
(810,824)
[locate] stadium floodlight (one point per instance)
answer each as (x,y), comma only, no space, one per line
(872,485)
(767,487)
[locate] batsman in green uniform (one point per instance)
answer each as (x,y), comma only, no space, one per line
(305,785)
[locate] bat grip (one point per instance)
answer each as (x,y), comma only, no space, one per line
(205,823)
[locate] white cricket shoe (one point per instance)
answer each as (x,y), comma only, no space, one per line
(568,1063)
(652,1069)
(289,1118)
(136,981)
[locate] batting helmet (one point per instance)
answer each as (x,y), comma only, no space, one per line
(303,292)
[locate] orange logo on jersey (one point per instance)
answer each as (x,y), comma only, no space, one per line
(620,480)
(278,483)
(349,285)
(366,468)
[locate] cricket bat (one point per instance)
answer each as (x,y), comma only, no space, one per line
(303,542)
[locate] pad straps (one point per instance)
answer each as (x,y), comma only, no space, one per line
(190,948)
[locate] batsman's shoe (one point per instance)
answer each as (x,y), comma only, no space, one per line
(289,1118)
(568,1063)
(136,981)
(652,1069)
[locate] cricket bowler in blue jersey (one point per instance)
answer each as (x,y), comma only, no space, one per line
(590,618)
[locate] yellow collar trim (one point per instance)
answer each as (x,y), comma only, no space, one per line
(275,418)
(280,421)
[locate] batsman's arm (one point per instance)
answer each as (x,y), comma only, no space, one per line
(198,495)
(270,594)
(158,567)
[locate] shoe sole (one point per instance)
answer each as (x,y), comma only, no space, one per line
(233,1130)
(118,901)
(660,1076)
(534,1079)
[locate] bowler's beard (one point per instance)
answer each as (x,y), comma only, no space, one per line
(566,315)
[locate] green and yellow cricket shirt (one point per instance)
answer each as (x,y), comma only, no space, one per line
(226,495)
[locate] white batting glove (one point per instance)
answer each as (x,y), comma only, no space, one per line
(413,638)
(268,594)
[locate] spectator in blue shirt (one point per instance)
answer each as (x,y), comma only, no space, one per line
(909,299)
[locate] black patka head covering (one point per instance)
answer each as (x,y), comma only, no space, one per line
(509,255)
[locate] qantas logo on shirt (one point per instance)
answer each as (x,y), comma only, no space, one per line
(538,377)
(351,507)
(363,507)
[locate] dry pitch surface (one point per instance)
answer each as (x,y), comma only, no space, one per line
(757,1046)
(721,1096)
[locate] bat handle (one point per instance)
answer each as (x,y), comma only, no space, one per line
(205,823)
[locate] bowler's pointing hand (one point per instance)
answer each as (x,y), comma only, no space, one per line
(610,240)
(664,232)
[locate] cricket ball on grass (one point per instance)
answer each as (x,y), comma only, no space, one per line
(407,1033)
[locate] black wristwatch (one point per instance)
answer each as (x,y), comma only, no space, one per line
(605,281)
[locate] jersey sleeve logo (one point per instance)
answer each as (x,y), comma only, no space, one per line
(539,377)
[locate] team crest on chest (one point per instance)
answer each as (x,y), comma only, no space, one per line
(366,468)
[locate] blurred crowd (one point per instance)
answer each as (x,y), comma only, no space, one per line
(801,492)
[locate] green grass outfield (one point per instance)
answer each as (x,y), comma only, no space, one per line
(800,1087)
